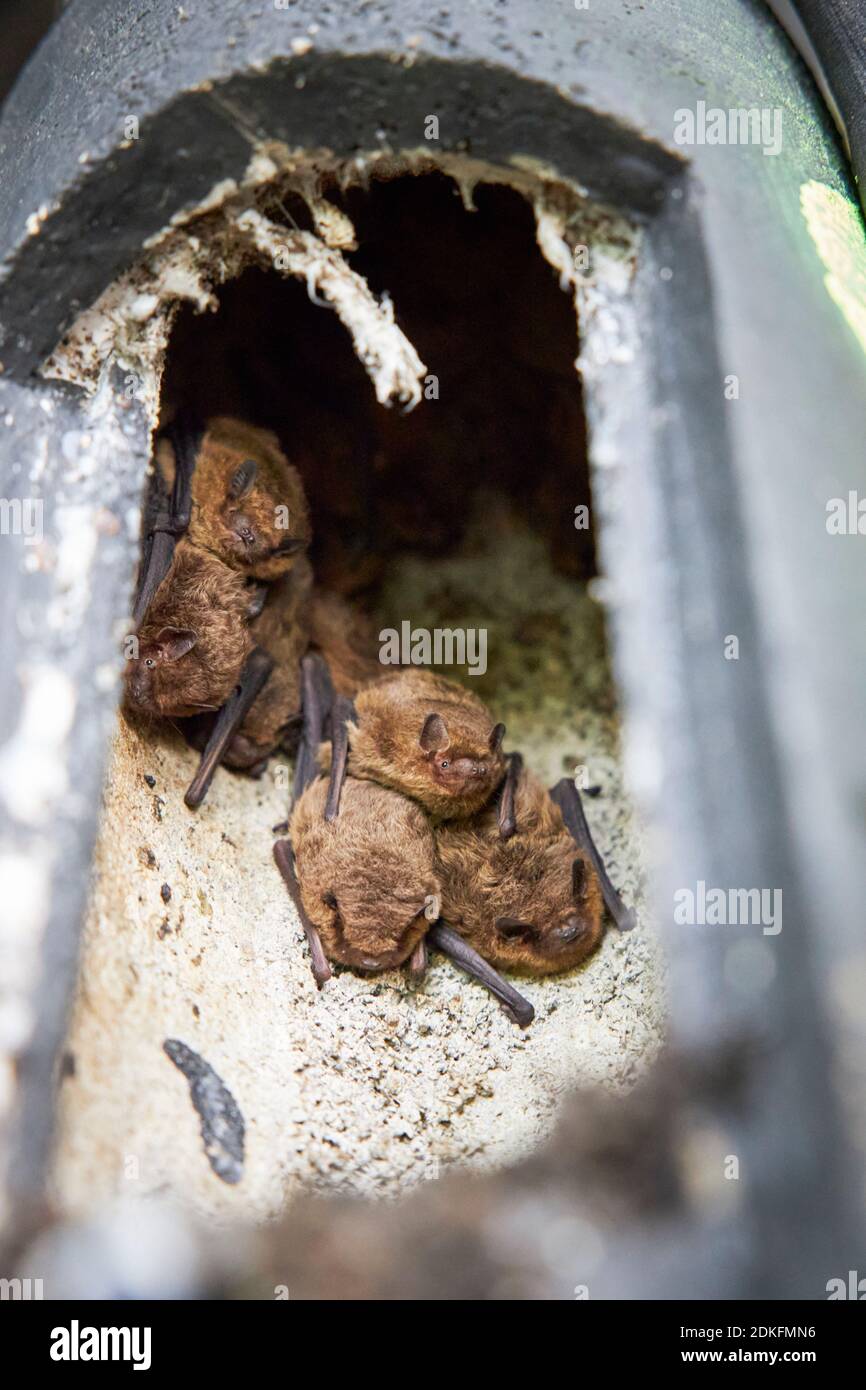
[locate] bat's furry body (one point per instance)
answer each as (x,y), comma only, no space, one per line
(514,899)
(347,641)
(193,640)
(248,503)
(429,738)
(282,630)
(367,877)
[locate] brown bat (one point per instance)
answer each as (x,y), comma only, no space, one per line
(367,878)
(266,703)
(235,593)
(532,903)
(346,639)
(428,738)
(168,517)
(282,629)
(247,502)
(194,639)
(364,883)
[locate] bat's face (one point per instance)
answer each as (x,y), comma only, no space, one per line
(372,934)
(246,512)
(166,677)
(466,770)
(547,911)
(531,903)
(366,878)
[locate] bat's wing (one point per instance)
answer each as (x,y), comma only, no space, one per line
(257,669)
(507,812)
(567,798)
(285,857)
(342,712)
(418,960)
(451,944)
(185,434)
(317,699)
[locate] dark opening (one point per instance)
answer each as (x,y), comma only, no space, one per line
(487,473)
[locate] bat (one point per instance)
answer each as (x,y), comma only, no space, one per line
(364,882)
(223,617)
(567,798)
(429,739)
(346,639)
(170,520)
(532,902)
(247,502)
(194,639)
(282,629)
(364,886)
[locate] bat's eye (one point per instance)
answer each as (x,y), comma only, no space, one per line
(149,662)
(246,534)
(444,763)
(482,770)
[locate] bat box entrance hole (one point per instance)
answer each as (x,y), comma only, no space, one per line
(458,516)
(470,512)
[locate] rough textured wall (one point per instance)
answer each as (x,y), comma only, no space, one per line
(367,1086)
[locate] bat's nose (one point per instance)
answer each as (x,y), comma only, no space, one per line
(135,688)
(571,930)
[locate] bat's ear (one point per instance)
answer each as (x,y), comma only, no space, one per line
(513,930)
(243,479)
(176,642)
(434,734)
(578,878)
(497,734)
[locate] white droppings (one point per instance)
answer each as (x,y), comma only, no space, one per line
(144,306)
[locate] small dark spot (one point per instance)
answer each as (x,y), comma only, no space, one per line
(227,840)
(222,1124)
(150,779)
(281,828)
(592,791)
(147,857)
(163,930)
(196,960)
(158,803)
(196,1011)
(67,1066)
(165,893)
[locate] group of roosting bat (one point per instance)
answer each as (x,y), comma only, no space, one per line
(409,826)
